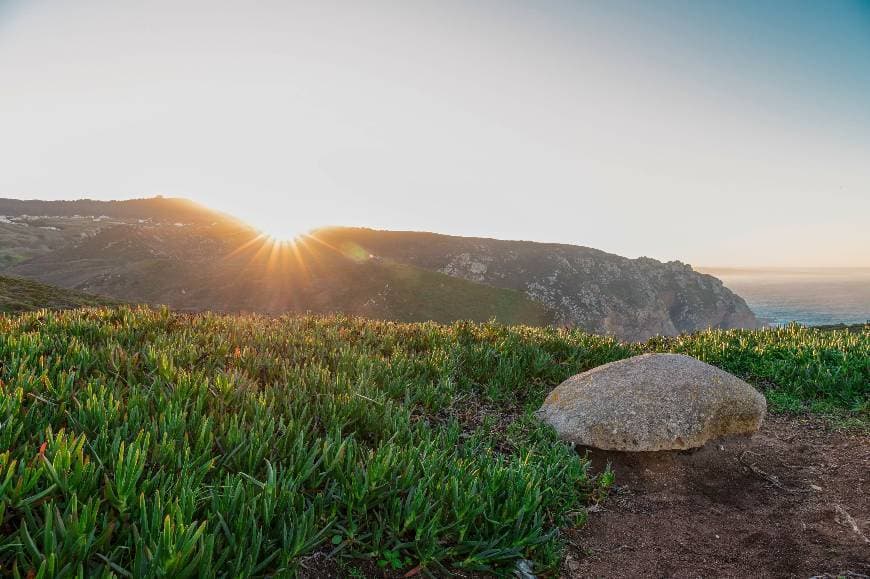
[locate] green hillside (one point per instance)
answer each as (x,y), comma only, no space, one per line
(20,295)
(143,443)
(407,294)
(226,267)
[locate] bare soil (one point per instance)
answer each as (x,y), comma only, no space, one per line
(792,501)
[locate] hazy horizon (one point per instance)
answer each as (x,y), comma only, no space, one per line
(721,135)
(811,296)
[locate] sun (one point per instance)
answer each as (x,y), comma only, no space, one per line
(283,232)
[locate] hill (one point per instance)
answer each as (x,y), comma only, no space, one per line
(32,228)
(226,266)
(600,292)
(148,443)
(168,209)
(20,295)
(173,252)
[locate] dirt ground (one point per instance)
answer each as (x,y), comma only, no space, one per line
(793,501)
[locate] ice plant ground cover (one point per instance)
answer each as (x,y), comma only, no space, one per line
(139,442)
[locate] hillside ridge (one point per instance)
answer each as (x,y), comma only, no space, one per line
(586,287)
(196,259)
(160,208)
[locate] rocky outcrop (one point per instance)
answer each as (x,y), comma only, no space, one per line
(653,402)
(632,299)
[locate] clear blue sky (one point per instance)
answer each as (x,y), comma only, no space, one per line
(729,133)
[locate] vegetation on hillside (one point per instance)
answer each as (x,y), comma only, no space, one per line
(231,268)
(405,293)
(21,295)
(145,443)
(800,368)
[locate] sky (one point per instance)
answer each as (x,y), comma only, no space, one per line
(720,134)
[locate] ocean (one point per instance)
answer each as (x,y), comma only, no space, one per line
(810,296)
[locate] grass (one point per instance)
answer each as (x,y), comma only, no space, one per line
(855,328)
(799,368)
(138,442)
(404,293)
(21,295)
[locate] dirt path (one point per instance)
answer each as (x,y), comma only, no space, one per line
(793,501)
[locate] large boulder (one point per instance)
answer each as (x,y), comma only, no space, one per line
(652,402)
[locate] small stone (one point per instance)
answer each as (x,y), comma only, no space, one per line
(523,569)
(653,402)
(816,487)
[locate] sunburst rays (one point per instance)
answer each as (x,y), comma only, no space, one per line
(283,272)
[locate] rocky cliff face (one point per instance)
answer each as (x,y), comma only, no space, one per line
(632,299)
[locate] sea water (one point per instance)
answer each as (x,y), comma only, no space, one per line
(810,296)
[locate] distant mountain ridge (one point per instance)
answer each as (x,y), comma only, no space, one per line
(178,253)
(154,208)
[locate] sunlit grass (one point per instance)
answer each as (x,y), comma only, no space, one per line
(145,443)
